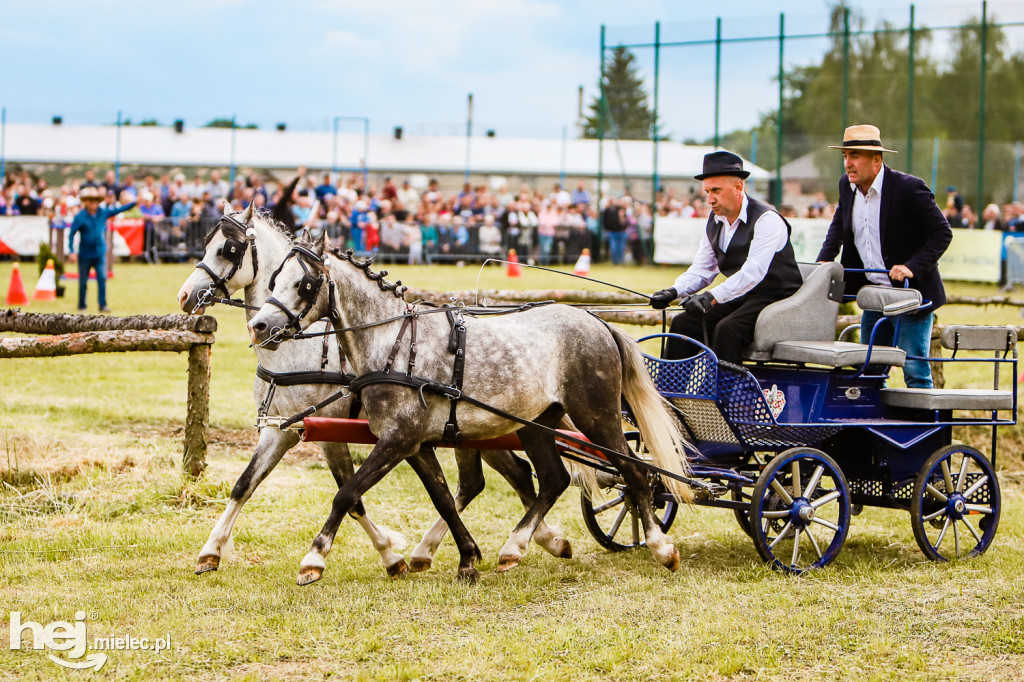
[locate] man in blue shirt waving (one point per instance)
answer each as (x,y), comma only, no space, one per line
(91,221)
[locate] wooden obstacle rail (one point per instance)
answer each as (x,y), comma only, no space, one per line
(76,334)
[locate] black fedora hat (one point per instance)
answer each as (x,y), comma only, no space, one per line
(722,163)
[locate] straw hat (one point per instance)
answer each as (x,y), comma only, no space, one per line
(864,137)
(90,193)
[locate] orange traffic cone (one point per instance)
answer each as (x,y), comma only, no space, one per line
(16,294)
(46,287)
(583,264)
(512,268)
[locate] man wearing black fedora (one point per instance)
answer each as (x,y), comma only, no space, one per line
(888,221)
(747,241)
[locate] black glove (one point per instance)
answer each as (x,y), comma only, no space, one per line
(661,299)
(699,304)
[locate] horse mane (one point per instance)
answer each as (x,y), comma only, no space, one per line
(397,288)
(233,231)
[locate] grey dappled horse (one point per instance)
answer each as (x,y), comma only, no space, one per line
(229,252)
(541,364)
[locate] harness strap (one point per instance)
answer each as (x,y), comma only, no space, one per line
(451,428)
(398,342)
(301,378)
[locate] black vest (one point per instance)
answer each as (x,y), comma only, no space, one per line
(783,275)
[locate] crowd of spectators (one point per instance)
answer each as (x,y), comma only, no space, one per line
(398,222)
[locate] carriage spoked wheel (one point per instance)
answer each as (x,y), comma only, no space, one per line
(800,511)
(956,504)
(614,522)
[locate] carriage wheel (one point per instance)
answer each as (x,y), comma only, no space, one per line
(956,505)
(742,515)
(800,513)
(614,521)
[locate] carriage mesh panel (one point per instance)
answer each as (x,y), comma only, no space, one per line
(691,376)
(705,420)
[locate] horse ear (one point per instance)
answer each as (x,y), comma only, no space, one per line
(305,237)
(320,242)
(247,216)
(227,206)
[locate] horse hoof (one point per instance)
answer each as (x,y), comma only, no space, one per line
(419,564)
(310,575)
(207,563)
(507,562)
(468,575)
(398,569)
(673,561)
(566,551)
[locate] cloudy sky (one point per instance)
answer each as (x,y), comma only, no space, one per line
(400,62)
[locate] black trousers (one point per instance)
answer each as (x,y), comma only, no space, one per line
(730,326)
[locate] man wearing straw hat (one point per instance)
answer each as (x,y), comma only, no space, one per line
(888,220)
(91,222)
(747,241)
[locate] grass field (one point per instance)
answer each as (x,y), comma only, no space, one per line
(97,519)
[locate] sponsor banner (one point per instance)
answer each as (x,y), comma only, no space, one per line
(21,235)
(675,239)
(973,256)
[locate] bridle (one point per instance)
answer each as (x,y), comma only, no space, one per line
(233,251)
(309,289)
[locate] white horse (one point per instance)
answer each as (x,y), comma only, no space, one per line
(540,365)
(240,253)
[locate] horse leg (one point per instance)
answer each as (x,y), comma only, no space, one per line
(426,466)
(553,480)
(272,445)
(386,454)
(384,540)
(639,489)
(471,484)
(519,474)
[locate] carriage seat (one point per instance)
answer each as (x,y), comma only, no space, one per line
(810,314)
(961,338)
(888,301)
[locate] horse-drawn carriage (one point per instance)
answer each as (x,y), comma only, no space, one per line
(794,442)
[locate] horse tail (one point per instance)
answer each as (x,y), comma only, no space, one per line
(658,428)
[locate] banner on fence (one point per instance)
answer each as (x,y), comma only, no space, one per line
(675,239)
(20,235)
(973,256)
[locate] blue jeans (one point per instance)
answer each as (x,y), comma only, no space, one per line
(545,241)
(617,247)
(85,263)
(915,339)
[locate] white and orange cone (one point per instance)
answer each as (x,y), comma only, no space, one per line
(46,287)
(582,264)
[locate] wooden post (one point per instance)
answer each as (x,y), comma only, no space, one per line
(198,418)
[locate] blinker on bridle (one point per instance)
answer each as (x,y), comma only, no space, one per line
(233,251)
(308,288)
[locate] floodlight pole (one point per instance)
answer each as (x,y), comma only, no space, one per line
(117,152)
(366,146)
(234,127)
(3,136)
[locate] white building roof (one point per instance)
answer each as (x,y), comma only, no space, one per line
(158,145)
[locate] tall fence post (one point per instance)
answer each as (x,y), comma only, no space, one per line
(234,128)
(117,152)
(980,200)
(655,134)
(1016,172)
(910,93)
(3,136)
(778,133)
(935,164)
(600,150)
(198,418)
(846,67)
(718,77)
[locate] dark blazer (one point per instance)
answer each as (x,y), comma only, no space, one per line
(913,231)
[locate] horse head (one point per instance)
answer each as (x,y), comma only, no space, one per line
(301,292)
(228,264)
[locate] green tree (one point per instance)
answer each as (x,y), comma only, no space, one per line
(624,113)
(227,123)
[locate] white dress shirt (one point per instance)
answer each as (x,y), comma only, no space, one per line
(769,237)
(867,236)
